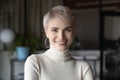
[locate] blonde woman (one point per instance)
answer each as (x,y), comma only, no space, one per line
(56,63)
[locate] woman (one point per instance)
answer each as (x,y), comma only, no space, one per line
(56,63)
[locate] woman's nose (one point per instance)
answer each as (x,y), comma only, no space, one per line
(61,35)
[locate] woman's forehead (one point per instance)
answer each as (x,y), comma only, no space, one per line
(59,21)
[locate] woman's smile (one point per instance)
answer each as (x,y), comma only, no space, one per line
(61,42)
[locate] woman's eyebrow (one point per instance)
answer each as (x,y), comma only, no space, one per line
(69,27)
(58,28)
(54,27)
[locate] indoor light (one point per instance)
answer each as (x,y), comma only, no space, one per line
(7,35)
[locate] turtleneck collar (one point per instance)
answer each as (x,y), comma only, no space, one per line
(57,55)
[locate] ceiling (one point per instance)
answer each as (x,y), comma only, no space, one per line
(84,4)
(87,4)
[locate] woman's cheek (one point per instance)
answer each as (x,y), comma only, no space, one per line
(52,36)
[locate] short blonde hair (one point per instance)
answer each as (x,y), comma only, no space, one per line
(61,12)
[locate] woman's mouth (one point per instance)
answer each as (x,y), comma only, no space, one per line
(61,42)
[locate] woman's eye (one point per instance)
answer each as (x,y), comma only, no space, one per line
(54,30)
(69,30)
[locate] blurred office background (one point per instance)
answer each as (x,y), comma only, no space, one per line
(97,40)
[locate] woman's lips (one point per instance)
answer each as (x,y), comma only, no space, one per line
(61,42)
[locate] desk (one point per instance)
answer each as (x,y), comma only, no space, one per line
(117,67)
(113,66)
(17,69)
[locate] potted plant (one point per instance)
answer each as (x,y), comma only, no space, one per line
(24,45)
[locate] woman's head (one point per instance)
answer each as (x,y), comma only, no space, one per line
(59,27)
(61,12)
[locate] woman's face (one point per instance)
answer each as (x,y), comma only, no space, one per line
(59,33)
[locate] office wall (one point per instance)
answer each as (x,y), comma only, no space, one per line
(87,25)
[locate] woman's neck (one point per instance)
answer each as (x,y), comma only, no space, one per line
(58,55)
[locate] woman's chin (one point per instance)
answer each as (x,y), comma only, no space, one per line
(62,48)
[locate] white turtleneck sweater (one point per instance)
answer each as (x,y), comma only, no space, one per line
(56,65)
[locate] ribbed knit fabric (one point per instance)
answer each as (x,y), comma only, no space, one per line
(56,65)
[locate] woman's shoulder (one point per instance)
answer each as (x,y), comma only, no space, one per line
(35,57)
(82,63)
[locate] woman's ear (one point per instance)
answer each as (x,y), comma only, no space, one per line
(46,32)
